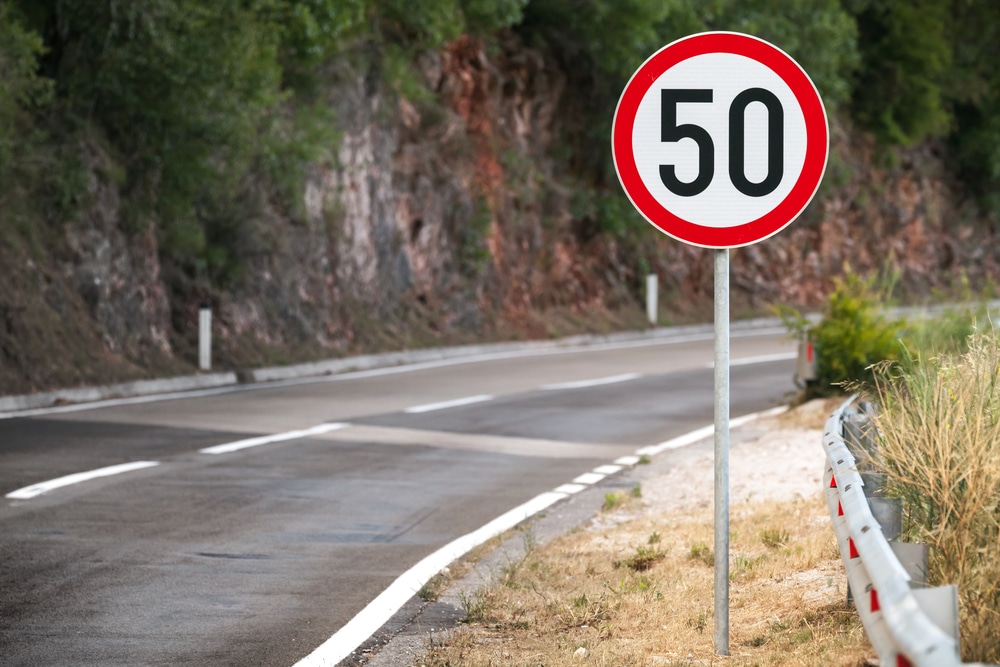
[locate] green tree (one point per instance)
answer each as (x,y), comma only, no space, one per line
(906,54)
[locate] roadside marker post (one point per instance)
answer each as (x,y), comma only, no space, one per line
(720,140)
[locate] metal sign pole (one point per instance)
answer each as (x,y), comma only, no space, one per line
(722,451)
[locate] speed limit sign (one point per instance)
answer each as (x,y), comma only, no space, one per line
(720,139)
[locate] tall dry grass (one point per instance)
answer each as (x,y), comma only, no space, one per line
(939,426)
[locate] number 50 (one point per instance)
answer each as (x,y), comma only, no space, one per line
(670,131)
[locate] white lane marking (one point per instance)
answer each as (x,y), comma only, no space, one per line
(627,460)
(229,447)
(589,478)
(76,478)
(761,359)
(381,609)
(705,431)
(391,370)
(608,469)
(579,384)
(430,407)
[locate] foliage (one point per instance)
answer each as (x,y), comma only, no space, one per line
(201,105)
(906,56)
(853,334)
(939,428)
(22,90)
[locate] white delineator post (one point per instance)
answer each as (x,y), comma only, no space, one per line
(205,338)
(652,297)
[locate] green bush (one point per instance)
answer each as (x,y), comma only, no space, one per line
(853,334)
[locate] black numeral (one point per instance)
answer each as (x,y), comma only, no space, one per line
(671,132)
(775,142)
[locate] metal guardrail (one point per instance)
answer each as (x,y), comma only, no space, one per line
(908,626)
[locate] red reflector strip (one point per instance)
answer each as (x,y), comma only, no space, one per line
(809,352)
(840,509)
(903,661)
(833,482)
(875,606)
(851,548)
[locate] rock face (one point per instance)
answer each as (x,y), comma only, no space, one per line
(449,217)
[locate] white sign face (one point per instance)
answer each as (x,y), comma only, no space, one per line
(720,140)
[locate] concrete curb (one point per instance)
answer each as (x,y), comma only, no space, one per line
(13,404)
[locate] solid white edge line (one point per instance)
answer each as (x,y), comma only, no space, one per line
(44,487)
(229,447)
(580,384)
(389,601)
(430,407)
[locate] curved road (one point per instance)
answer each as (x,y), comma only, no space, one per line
(258,521)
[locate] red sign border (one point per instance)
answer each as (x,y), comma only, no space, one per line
(817,139)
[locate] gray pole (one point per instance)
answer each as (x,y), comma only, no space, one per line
(722,452)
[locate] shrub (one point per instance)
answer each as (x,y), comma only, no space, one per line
(853,334)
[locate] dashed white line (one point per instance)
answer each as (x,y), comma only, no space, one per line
(430,407)
(589,478)
(580,384)
(609,469)
(76,478)
(229,447)
(570,489)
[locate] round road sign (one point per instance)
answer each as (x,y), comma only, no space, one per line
(720,139)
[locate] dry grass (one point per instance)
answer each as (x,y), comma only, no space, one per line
(939,425)
(640,592)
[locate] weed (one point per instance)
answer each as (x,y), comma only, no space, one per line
(654,538)
(745,565)
(644,460)
(612,499)
(774,537)
(475,606)
(431,590)
(643,559)
(702,552)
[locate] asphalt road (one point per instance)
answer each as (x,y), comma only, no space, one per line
(259,553)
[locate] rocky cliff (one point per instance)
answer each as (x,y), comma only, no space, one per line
(448,217)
